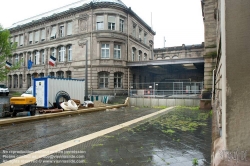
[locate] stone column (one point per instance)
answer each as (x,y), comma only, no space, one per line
(111,80)
(111,50)
(105,21)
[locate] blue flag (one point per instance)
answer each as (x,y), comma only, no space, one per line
(30,63)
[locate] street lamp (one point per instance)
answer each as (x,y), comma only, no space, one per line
(82,43)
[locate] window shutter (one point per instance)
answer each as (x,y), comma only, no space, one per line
(53,32)
(99,19)
(111,19)
(69,28)
(43,35)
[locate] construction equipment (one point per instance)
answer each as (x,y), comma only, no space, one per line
(21,104)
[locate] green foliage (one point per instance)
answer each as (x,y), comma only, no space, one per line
(212,54)
(195,161)
(16,94)
(6,52)
(161,107)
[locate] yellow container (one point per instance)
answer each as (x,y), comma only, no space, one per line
(22,100)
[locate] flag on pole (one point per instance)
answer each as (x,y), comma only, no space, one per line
(8,65)
(52,61)
(30,63)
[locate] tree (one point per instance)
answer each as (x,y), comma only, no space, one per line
(6,52)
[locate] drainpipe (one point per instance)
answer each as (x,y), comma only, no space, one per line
(213,88)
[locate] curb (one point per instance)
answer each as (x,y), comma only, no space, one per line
(52,115)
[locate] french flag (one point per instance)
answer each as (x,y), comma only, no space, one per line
(52,61)
(8,65)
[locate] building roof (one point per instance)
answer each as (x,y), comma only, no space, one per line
(65,8)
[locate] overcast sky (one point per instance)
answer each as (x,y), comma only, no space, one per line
(180,21)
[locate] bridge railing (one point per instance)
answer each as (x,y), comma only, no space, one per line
(167,89)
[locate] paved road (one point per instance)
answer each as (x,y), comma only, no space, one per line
(142,145)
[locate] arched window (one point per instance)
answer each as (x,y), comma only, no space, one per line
(118,80)
(133,54)
(52,74)
(69,74)
(175,57)
(60,74)
(145,57)
(103,79)
(140,56)
(41,75)
(36,57)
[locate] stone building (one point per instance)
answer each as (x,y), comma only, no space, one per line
(230,84)
(113,34)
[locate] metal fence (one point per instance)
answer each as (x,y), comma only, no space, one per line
(167,89)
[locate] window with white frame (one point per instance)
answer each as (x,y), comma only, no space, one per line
(22,61)
(61,33)
(140,34)
(53,52)
(134,30)
(43,35)
(105,51)
(118,80)
(69,28)
(53,32)
(21,40)
(43,57)
(70,53)
(121,28)
(16,59)
(17,40)
(140,55)
(30,37)
(61,54)
(30,56)
(133,54)
(11,40)
(145,38)
(99,23)
(111,22)
(37,36)
(117,51)
(36,58)
(103,79)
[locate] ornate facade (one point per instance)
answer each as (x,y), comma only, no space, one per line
(114,33)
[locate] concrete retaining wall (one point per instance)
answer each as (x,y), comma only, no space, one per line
(153,102)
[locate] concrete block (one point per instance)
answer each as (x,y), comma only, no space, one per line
(154,102)
(139,102)
(147,102)
(162,102)
(132,101)
(189,102)
(179,102)
(205,104)
(171,102)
